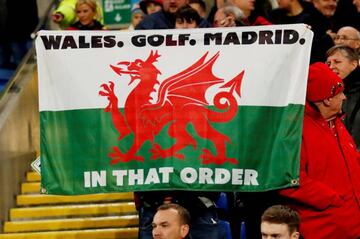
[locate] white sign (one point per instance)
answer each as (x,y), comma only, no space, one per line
(35,165)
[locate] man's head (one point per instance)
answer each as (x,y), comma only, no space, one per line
(349,36)
(342,60)
(280,222)
(228,16)
(171,221)
(326,7)
(325,90)
(172,6)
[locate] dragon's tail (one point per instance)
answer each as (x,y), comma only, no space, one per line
(226,108)
(225,101)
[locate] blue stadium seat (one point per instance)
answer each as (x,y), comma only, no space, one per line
(242,231)
(222,202)
(5,75)
(226,226)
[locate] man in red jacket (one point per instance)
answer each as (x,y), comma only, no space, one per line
(328,198)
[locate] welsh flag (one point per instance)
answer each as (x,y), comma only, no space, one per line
(200,109)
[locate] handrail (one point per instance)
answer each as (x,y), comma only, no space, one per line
(44,19)
(30,54)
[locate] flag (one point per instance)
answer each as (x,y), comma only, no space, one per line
(217,109)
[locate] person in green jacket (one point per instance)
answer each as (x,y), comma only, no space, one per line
(65,14)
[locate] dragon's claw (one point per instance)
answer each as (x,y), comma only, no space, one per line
(208,158)
(157,152)
(117,156)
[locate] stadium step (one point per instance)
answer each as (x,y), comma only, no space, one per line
(113,233)
(39,199)
(94,216)
(31,187)
(127,208)
(33,177)
(73,224)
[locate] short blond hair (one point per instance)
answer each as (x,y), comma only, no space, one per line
(91,3)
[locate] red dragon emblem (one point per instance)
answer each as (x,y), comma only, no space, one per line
(180,101)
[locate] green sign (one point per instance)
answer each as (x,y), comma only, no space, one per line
(116,12)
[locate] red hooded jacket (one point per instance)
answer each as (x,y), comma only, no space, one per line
(328,198)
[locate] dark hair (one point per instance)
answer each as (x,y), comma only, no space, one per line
(188,14)
(183,212)
(281,214)
(200,2)
(347,51)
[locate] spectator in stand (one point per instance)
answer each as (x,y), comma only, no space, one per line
(346,15)
(326,7)
(328,197)
(187,17)
(137,15)
(150,6)
(291,12)
(217,5)
(199,6)
(251,17)
(322,24)
(344,61)
(348,36)
(204,218)
(165,19)
(171,221)
(280,222)
(228,16)
(86,12)
(65,13)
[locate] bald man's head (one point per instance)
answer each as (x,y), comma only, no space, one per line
(349,36)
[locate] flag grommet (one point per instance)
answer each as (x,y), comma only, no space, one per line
(294,182)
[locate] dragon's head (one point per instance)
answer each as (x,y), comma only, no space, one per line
(139,69)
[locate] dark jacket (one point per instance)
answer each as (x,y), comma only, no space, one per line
(163,20)
(279,15)
(96,25)
(351,106)
(191,200)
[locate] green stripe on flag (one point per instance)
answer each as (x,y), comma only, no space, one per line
(265,139)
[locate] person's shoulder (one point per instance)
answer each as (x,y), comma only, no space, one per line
(98,25)
(278,12)
(156,20)
(204,23)
(277,15)
(74,26)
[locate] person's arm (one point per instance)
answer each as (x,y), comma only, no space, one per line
(65,14)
